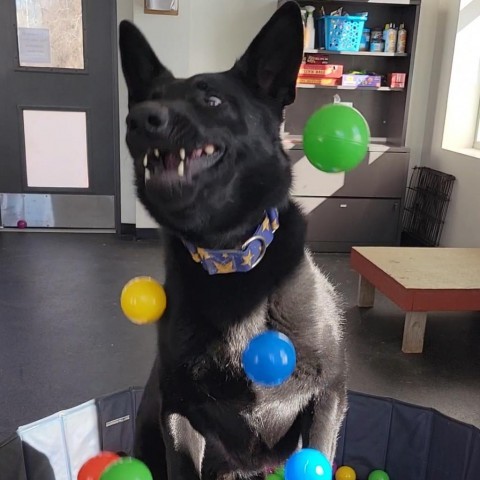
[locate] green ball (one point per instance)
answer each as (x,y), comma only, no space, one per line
(335,138)
(378,475)
(280,471)
(279,474)
(274,476)
(127,468)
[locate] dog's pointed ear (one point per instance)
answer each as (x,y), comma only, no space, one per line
(271,63)
(140,65)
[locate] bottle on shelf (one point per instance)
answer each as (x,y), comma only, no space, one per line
(402,39)
(376,34)
(385,32)
(376,40)
(310,28)
(365,41)
(304,20)
(391,39)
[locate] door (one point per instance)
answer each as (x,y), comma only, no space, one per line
(58,113)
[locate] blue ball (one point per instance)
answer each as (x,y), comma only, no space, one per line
(269,359)
(308,464)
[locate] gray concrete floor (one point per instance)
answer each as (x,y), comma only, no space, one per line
(64,340)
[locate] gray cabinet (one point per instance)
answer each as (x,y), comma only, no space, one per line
(361,207)
(336,223)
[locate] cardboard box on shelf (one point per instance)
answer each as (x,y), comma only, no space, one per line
(315,80)
(355,80)
(325,71)
(397,80)
(315,58)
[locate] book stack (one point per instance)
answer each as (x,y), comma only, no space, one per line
(316,74)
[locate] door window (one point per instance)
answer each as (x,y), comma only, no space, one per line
(50,33)
(56,148)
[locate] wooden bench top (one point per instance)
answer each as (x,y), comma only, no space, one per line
(423,279)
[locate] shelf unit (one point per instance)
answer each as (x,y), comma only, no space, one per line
(363,206)
(386,114)
(343,87)
(365,54)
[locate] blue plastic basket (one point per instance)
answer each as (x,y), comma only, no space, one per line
(343,33)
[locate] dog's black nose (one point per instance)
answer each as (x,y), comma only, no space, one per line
(147,118)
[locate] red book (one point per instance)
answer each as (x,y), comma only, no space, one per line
(328,71)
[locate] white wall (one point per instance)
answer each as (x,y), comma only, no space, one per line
(464,90)
(220,31)
(169,36)
(127,192)
(462,225)
(420,81)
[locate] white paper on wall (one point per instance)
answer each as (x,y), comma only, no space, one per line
(34,46)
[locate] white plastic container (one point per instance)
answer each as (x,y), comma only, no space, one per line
(310,28)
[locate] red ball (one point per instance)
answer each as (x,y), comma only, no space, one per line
(93,468)
(21,224)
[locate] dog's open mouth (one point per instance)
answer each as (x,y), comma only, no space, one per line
(179,165)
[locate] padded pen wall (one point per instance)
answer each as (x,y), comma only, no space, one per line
(408,441)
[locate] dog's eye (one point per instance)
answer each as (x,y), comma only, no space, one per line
(202,85)
(213,101)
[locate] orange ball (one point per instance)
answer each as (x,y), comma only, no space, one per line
(143,300)
(345,473)
(93,468)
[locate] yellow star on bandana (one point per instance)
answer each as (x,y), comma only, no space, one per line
(196,257)
(266,224)
(275,225)
(203,253)
(247,259)
(221,268)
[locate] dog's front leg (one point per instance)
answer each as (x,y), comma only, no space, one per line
(185,448)
(149,444)
(329,412)
(180,466)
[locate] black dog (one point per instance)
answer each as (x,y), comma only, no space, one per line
(210,168)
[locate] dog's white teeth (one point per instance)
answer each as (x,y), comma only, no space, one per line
(182,154)
(157,153)
(145,160)
(209,149)
(181,168)
(147,175)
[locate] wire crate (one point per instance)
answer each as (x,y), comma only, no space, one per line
(426,204)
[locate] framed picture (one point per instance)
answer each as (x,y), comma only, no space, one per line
(161,7)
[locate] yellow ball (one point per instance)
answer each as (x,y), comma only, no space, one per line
(345,473)
(143,300)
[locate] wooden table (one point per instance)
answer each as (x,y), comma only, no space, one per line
(419,280)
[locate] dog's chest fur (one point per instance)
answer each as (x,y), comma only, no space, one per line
(274,409)
(306,310)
